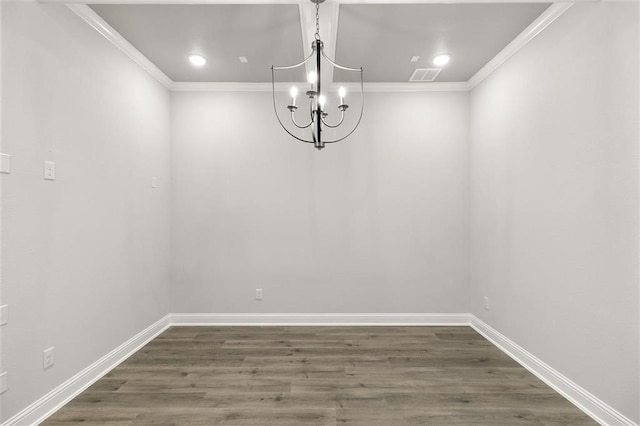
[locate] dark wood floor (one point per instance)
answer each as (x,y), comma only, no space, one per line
(320,376)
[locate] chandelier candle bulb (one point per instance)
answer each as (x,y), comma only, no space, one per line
(294,93)
(321,100)
(312,77)
(342,92)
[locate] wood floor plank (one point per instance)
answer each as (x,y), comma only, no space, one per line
(244,417)
(319,376)
(418,416)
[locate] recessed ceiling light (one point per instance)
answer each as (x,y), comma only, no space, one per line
(440,60)
(243,59)
(415,58)
(197,60)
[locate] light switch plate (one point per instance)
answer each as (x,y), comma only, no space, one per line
(5,163)
(4,314)
(49,170)
(154,182)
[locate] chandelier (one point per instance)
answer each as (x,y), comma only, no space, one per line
(320,118)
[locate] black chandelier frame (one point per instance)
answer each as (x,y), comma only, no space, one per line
(317,114)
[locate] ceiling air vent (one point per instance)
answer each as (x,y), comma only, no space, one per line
(425,74)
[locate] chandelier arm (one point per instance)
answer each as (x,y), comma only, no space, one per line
(275,110)
(361,110)
(340,66)
(288,67)
(293,119)
(335,125)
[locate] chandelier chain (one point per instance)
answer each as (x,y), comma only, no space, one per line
(317,21)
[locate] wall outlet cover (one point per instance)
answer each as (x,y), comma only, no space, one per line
(49,170)
(258,294)
(48,357)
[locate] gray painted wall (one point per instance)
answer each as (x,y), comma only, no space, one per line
(85,257)
(1,237)
(377,223)
(554,199)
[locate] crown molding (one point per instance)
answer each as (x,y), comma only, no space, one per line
(552,13)
(449,1)
(454,86)
(187,86)
(186,2)
(283,87)
(108,32)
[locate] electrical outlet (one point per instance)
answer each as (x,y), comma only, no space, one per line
(48,357)
(486,303)
(4,314)
(258,294)
(49,170)
(4,386)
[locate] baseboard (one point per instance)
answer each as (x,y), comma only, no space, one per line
(581,398)
(578,396)
(54,400)
(320,319)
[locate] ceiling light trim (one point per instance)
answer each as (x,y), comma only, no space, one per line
(552,13)
(197,60)
(108,32)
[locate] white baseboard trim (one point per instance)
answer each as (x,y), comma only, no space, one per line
(581,398)
(320,319)
(578,396)
(44,407)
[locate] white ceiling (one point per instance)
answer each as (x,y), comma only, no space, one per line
(382,38)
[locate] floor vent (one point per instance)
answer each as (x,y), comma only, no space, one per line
(425,74)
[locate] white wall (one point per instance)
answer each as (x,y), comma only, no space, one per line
(85,257)
(376,223)
(554,199)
